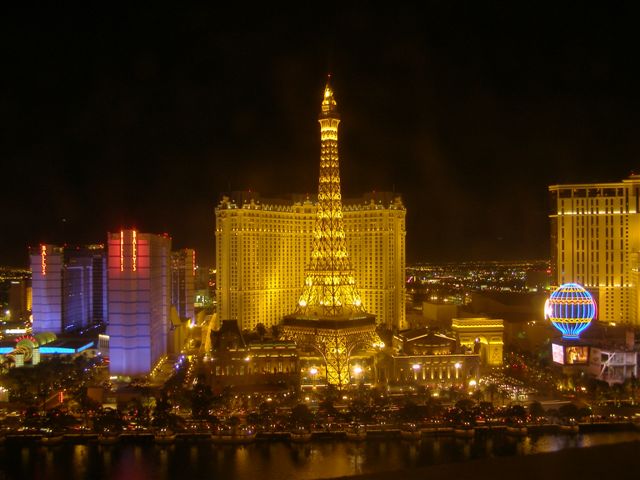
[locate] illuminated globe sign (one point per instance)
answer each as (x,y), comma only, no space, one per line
(571,309)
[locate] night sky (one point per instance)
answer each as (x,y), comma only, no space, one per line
(145,117)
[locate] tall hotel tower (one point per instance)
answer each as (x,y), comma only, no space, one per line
(595,241)
(330,317)
(263,246)
(139,296)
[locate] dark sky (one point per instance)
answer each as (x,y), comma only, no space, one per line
(470,110)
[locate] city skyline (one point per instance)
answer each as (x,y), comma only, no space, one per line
(468,114)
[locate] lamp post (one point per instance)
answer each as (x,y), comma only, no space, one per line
(416,368)
(457,366)
(357,370)
(313,371)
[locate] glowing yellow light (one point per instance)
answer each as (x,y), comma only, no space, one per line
(135,251)
(122,250)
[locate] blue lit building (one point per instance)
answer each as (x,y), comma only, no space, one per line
(46,283)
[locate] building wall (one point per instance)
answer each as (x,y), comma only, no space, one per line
(46,283)
(263,248)
(78,293)
(139,300)
(18,302)
(613,366)
(99,284)
(595,240)
(432,370)
(183,282)
(481,335)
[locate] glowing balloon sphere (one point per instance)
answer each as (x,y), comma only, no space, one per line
(570,308)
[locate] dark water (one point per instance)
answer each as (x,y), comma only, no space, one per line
(270,461)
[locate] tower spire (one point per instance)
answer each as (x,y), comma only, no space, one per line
(329,288)
(329,106)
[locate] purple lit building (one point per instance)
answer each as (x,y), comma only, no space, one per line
(68,288)
(46,284)
(139,300)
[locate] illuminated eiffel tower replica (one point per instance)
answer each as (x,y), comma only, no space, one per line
(330,317)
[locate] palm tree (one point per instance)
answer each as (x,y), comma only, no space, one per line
(261,330)
(201,399)
(491,389)
(477,395)
(536,410)
(301,415)
(631,387)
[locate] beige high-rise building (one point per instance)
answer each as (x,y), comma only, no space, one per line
(264,245)
(595,241)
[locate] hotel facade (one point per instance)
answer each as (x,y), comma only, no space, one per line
(595,241)
(263,247)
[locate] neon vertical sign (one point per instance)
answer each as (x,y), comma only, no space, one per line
(134,235)
(43,261)
(194,262)
(122,250)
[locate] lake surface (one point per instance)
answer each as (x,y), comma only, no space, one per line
(271,460)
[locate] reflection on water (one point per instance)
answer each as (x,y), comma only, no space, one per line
(273,461)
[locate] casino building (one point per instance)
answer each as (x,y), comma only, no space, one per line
(263,246)
(595,241)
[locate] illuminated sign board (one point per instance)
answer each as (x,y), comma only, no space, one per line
(43,261)
(15,331)
(577,355)
(557,353)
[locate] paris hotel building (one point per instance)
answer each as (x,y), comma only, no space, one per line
(264,245)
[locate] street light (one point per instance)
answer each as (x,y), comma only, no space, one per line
(458,366)
(313,371)
(357,370)
(415,367)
